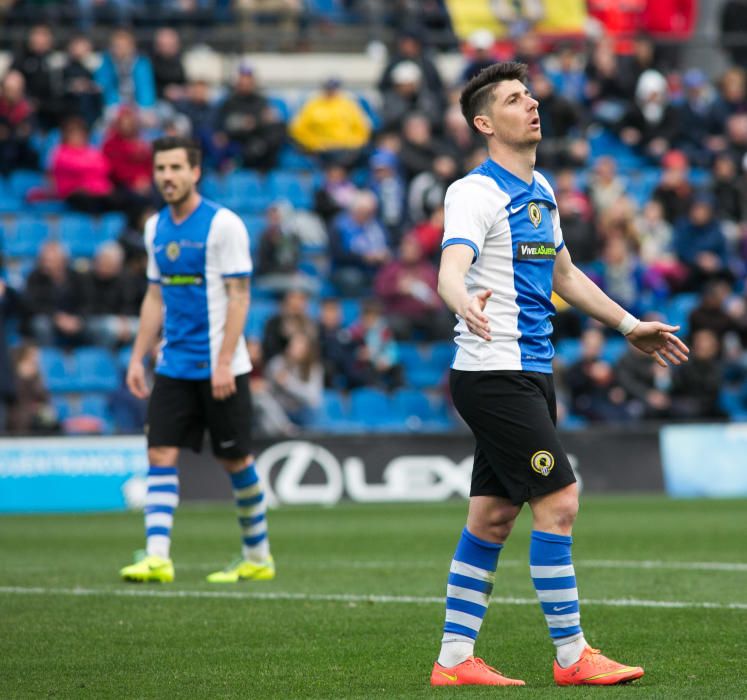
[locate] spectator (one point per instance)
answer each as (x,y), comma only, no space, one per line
(419,147)
(113,298)
(125,76)
(605,185)
(700,244)
(408,94)
(16,126)
(427,190)
(82,95)
(297,379)
(459,139)
(620,274)
(389,188)
(736,138)
(80,173)
(332,124)
(429,234)
(697,383)
(410,48)
(335,193)
(650,123)
(31,412)
(8,309)
(732,24)
(559,119)
(43,79)
(646,384)
(338,349)
(54,299)
(268,416)
(578,228)
(480,43)
(408,290)
(729,191)
(657,247)
(292,318)
(377,355)
(247,120)
(128,154)
(358,245)
(605,87)
(732,97)
(674,190)
(695,120)
(642,58)
(518,17)
(168,68)
(712,312)
(567,73)
(595,393)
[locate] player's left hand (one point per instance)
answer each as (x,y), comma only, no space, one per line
(658,340)
(223,382)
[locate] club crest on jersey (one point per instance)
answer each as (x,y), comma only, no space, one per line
(535,214)
(172,251)
(543,462)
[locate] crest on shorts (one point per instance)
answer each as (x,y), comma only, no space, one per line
(172,251)
(543,462)
(535,214)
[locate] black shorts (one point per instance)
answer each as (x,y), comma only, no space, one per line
(512,415)
(180,410)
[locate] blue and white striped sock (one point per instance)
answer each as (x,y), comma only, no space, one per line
(160,502)
(554,580)
(468,592)
(250,504)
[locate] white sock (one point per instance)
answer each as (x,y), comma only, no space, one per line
(567,654)
(453,653)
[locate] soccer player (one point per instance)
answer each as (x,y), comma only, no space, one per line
(503,256)
(198,292)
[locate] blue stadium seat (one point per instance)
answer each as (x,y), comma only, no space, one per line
(21,181)
(442,353)
(26,237)
(59,370)
(351,311)
(255,225)
(111,226)
(291,159)
(332,11)
(245,191)
(614,348)
(332,415)
(568,350)
(79,233)
(282,107)
(260,312)
(96,370)
(372,408)
(292,187)
(123,359)
(371,113)
(9,202)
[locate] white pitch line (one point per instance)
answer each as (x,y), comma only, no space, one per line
(350,598)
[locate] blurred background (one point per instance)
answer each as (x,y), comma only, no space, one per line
(333,128)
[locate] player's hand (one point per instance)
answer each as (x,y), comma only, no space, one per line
(473,315)
(658,340)
(136,380)
(223,382)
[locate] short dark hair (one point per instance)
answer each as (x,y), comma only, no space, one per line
(477,95)
(169,143)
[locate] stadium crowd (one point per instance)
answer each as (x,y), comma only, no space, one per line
(343,197)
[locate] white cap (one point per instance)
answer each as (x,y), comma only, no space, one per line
(481,39)
(406,72)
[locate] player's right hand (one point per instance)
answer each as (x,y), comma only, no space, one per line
(473,315)
(136,380)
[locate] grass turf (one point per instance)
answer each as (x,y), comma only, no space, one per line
(56,643)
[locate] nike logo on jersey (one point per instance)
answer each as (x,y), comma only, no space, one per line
(515,209)
(558,608)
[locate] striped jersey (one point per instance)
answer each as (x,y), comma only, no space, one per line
(191,260)
(514,231)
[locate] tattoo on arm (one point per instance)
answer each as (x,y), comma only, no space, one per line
(237,288)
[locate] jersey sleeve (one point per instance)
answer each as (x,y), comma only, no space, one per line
(152,271)
(234,258)
(469,213)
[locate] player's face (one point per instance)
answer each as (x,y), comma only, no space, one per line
(512,117)
(175,178)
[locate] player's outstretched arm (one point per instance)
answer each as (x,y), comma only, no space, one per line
(455,261)
(151,318)
(237,290)
(653,338)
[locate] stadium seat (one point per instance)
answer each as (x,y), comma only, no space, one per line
(332,11)
(291,159)
(332,414)
(111,226)
(9,202)
(568,350)
(96,370)
(260,312)
(21,181)
(59,370)
(245,191)
(79,233)
(351,311)
(25,237)
(372,408)
(295,188)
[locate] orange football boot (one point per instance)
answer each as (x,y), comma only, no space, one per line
(470,672)
(595,669)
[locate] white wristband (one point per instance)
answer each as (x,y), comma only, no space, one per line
(628,324)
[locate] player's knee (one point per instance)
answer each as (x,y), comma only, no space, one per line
(565,510)
(163,456)
(492,526)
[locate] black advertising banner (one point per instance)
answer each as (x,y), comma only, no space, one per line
(390,468)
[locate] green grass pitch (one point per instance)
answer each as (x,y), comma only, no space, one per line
(354,611)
